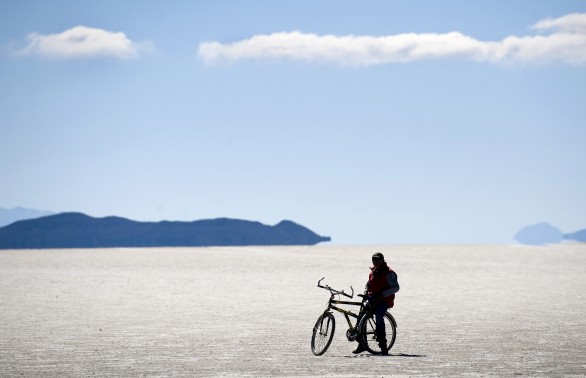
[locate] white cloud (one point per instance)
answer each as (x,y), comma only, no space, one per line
(571,23)
(567,43)
(82,42)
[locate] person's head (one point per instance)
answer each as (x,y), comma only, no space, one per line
(378,259)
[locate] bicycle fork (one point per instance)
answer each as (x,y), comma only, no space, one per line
(327,325)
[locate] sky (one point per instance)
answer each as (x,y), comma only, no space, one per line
(379,122)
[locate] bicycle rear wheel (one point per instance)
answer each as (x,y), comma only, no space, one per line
(367,332)
(323,333)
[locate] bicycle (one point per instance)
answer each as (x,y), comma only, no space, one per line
(362,331)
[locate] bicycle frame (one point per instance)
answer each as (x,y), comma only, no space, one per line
(333,302)
(347,314)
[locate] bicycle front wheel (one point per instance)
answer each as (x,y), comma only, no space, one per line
(323,333)
(368,336)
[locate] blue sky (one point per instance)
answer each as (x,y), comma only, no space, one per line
(376,122)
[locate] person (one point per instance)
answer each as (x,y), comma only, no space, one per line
(380,292)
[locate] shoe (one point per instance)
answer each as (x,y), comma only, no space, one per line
(360,349)
(383,350)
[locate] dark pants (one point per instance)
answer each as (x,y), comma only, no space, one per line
(379,315)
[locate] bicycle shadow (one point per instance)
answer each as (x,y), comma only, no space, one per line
(389,355)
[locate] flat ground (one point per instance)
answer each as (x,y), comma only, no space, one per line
(462,310)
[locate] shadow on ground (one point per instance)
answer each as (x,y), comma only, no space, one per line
(390,355)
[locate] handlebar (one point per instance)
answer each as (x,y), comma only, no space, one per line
(333,291)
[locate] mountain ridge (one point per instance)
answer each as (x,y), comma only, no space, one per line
(9,216)
(78,230)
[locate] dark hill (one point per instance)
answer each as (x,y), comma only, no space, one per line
(76,230)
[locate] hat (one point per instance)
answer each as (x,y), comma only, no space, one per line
(378,255)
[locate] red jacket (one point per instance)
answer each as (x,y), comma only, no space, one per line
(383,282)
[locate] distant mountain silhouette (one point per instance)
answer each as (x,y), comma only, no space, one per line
(8,216)
(544,233)
(577,236)
(539,234)
(76,230)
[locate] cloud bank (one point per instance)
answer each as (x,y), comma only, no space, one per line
(83,42)
(563,40)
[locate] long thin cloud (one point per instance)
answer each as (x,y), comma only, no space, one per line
(562,39)
(83,42)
